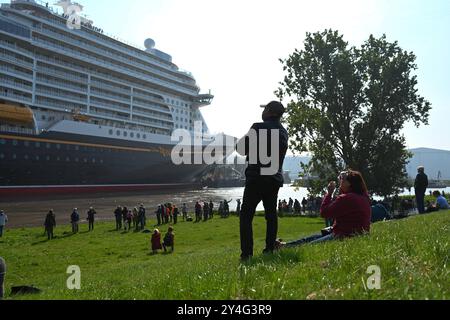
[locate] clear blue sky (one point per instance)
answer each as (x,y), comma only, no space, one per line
(232,47)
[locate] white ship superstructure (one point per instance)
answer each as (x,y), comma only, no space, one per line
(66,76)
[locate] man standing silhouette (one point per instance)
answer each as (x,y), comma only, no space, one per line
(420,187)
(262,184)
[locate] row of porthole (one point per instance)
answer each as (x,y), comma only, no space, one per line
(47,158)
(37,144)
(125,134)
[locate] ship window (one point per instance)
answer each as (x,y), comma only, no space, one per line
(138,136)
(58,159)
(125,133)
(2,156)
(118,133)
(132,135)
(93,160)
(43,117)
(2,141)
(77,160)
(58,146)
(111,131)
(67,159)
(144,136)
(77,148)
(15,142)
(14,156)
(47,158)
(26,143)
(85,160)
(26,157)
(68,147)
(37,158)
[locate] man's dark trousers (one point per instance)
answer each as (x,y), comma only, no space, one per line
(261,189)
(420,199)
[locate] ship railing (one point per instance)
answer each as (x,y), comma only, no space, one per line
(107,106)
(152,115)
(62,106)
(61,74)
(15,60)
(151,107)
(15,129)
(52,93)
(15,84)
(14,96)
(15,71)
(102,85)
(44,81)
(91,58)
(111,55)
(110,96)
(15,48)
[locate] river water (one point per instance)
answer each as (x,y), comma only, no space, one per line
(23,213)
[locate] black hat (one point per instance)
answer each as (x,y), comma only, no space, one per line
(275,107)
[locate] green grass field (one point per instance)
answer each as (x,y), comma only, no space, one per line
(413,255)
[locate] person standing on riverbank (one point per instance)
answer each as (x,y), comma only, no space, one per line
(3,221)
(74,219)
(118,216)
(184,210)
(211,209)
(91,218)
(420,187)
(50,224)
(260,185)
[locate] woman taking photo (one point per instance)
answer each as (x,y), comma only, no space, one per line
(350,211)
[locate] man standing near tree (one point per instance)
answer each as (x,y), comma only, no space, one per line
(262,184)
(420,187)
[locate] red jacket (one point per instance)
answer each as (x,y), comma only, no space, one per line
(156,241)
(351,212)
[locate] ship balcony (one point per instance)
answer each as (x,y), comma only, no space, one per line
(108,54)
(93,60)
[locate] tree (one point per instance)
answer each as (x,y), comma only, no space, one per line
(348,107)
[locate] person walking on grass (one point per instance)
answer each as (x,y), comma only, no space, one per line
(261,183)
(169,240)
(74,219)
(118,216)
(142,216)
(3,221)
(420,187)
(91,218)
(50,224)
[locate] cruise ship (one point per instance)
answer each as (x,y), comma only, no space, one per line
(82,111)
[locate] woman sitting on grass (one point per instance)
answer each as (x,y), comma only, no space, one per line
(156,241)
(169,240)
(350,211)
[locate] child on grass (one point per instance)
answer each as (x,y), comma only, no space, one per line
(156,241)
(169,240)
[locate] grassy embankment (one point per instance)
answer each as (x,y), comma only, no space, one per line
(413,255)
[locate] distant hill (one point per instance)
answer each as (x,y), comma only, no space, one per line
(434,160)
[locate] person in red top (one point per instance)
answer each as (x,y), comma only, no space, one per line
(156,241)
(350,211)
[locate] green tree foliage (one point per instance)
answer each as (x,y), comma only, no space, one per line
(349,105)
